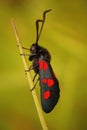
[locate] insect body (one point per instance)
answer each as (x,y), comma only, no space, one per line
(41,58)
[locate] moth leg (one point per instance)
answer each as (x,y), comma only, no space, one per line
(24,54)
(24,47)
(31,67)
(35,84)
(31,55)
(35,76)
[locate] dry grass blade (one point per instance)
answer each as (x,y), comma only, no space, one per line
(37,104)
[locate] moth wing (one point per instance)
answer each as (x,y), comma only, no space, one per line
(49,86)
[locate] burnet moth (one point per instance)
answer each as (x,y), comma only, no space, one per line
(40,57)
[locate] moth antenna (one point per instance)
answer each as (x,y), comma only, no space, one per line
(38,33)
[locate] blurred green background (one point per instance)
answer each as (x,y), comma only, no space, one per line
(65,36)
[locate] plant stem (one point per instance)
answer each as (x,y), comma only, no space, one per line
(37,104)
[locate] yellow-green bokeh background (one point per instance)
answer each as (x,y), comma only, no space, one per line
(65,36)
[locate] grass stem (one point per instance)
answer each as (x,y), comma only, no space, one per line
(37,104)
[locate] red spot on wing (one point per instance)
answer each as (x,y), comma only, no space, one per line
(50,82)
(46,94)
(40,64)
(44,80)
(45,66)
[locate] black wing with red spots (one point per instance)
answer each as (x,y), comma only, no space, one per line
(49,85)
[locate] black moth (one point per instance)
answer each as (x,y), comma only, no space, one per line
(41,58)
